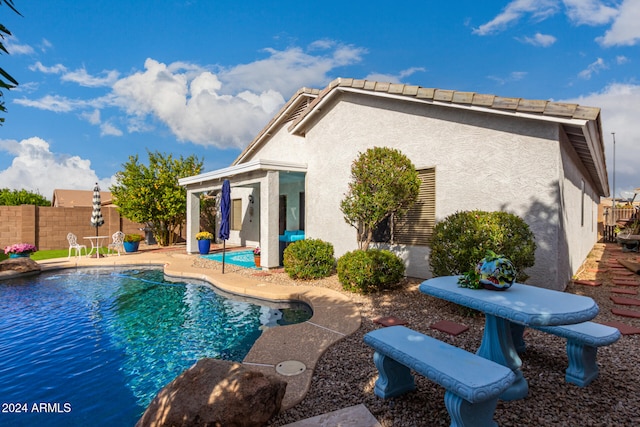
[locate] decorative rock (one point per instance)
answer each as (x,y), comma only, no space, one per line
(216,393)
(18,266)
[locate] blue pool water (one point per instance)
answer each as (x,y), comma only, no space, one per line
(241,258)
(93,347)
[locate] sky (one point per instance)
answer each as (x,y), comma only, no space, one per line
(101,81)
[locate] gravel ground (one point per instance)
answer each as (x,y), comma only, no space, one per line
(345,374)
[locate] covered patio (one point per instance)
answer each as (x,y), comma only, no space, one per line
(267,197)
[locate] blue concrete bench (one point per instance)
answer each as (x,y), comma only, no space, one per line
(472,383)
(583,340)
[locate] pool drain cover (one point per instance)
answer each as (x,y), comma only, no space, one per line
(290,367)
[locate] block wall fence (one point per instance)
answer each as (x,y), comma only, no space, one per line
(47,227)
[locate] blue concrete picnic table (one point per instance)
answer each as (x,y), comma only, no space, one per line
(520,304)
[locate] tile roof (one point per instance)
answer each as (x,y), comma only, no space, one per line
(581,124)
(471,99)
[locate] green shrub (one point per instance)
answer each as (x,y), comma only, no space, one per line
(132,237)
(309,259)
(463,238)
(369,271)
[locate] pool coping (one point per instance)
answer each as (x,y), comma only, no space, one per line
(334,316)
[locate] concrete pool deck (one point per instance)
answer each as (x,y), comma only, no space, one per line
(288,352)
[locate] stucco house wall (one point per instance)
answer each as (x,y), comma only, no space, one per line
(580,201)
(482,162)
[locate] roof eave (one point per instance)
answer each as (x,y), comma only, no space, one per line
(242,168)
(269,129)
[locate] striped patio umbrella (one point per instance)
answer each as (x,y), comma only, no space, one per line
(96,213)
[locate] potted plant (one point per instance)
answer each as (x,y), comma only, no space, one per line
(131,242)
(256,256)
(20,250)
(204,239)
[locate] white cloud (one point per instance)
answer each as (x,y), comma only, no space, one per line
(79,76)
(228,108)
(83,78)
(512,77)
(621,59)
(59,104)
(288,70)
(625,30)
(593,68)
(192,108)
(15,48)
(45,45)
(36,168)
(393,78)
(109,129)
(224,108)
(620,105)
(55,69)
(538,9)
(589,12)
(92,117)
(543,40)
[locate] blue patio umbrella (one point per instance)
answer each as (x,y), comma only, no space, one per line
(225,212)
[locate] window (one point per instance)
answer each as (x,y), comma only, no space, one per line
(416,227)
(236,214)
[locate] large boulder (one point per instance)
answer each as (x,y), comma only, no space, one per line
(216,393)
(18,266)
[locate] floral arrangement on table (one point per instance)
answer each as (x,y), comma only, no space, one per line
(256,251)
(494,272)
(132,237)
(20,248)
(204,235)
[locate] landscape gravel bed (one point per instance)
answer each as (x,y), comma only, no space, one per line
(345,374)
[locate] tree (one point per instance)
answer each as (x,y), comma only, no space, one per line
(384,183)
(151,194)
(6,81)
(21,197)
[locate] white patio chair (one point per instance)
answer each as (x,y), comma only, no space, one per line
(117,244)
(74,245)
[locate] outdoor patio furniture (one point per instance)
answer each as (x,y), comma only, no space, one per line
(74,245)
(286,239)
(118,242)
(524,305)
(96,244)
(472,383)
(583,340)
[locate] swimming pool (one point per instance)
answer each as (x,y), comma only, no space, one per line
(241,258)
(93,347)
